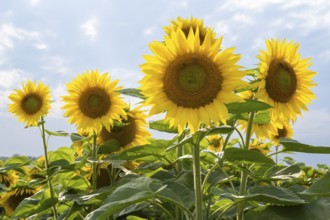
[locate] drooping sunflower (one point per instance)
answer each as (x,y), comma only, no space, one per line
(185,24)
(30,103)
(132,133)
(190,81)
(8,178)
(93,102)
(215,143)
(11,199)
(285,131)
(285,79)
(259,146)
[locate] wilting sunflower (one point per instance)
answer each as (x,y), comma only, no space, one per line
(93,102)
(263,125)
(285,79)
(260,147)
(189,81)
(8,178)
(285,131)
(132,133)
(30,103)
(11,199)
(190,23)
(215,143)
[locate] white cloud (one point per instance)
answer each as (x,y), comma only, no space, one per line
(243,18)
(56,64)
(57,92)
(149,31)
(34,2)
(41,46)
(90,28)
(257,5)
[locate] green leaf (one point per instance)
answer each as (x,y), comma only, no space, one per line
(271,194)
(109,146)
(138,190)
(246,156)
(132,92)
(15,162)
(284,172)
(163,126)
(77,137)
(261,118)
(320,188)
(247,106)
(57,133)
(63,156)
(295,146)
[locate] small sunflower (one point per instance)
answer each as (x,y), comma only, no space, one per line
(8,178)
(215,143)
(285,131)
(11,199)
(30,103)
(260,147)
(190,23)
(190,81)
(285,79)
(131,134)
(93,102)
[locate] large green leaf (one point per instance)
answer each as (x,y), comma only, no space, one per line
(57,133)
(63,156)
(109,146)
(247,106)
(132,92)
(271,194)
(138,190)
(162,125)
(245,156)
(15,162)
(320,188)
(295,146)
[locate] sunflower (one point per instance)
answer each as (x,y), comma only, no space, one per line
(285,131)
(190,23)
(93,102)
(189,81)
(11,199)
(215,143)
(8,178)
(132,133)
(263,125)
(285,79)
(260,147)
(30,103)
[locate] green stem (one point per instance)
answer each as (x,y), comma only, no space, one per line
(94,158)
(179,164)
(197,181)
(51,189)
(244,175)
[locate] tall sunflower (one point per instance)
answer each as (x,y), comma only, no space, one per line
(8,178)
(11,199)
(93,102)
(131,134)
(190,81)
(30,103)
(185,24)
(285,131)
(285,79)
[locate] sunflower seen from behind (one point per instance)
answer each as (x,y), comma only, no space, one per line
(285,79)
(191,81)
(30,103)
(93,102)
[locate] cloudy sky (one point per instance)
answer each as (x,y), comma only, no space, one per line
(53,41)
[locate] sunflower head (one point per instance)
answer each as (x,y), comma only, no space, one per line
(283,131)
(185,24)
(215,143)
(11,199)
(93,102)
(30,103)
(260,147)
(284,79)
(131,132)
(9,178)
(190,81)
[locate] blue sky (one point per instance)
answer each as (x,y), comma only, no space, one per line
(53,41)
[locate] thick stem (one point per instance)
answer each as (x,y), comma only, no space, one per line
(179,164)
(197,182)
(244,175)
(94,165)
(51,189)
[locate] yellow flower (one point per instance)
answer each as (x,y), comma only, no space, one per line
(260,147)
(30,103)
(93,102)
(215,143)
(131,134)
(190,81)
(285,79)
(8,178)
(285,131)
(11,199)
(190,23)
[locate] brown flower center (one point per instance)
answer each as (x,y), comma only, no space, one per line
(281,81)
(94,102)
(192,81)
(281,133)
(31,104)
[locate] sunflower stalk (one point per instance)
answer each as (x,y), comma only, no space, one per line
(94,164)
(43,135)
(197,181)
(244,175)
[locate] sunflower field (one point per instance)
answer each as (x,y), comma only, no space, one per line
(228,127)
